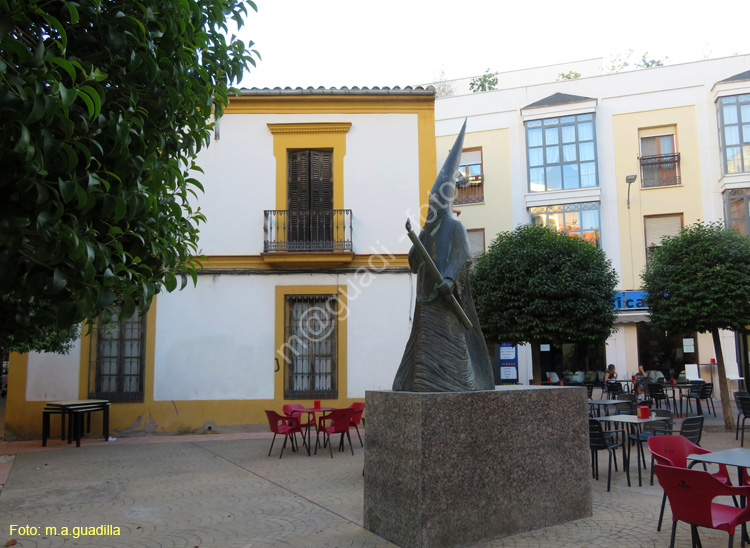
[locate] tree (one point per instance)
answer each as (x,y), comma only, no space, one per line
(103,108)
(571,75)
(443,87)
(699,281)
(623,62)
(485,82)
(535,285)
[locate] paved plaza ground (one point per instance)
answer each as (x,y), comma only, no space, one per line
(223,490)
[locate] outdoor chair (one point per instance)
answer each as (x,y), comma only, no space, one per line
(287,426)
(673,451)
(552,376)
(745,404)
(740,412)
(652,429)
(357,418)
(589,390)
(295,410)
(701,391)
(600,439)
(691,496)
(657,393)
(337,421)
(613,388)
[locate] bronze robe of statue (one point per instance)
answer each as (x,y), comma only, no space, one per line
(441,354)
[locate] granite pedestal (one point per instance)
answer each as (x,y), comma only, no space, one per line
(448,469)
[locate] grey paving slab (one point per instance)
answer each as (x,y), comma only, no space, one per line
(213,491)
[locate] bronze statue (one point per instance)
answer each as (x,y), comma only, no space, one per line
(446,351)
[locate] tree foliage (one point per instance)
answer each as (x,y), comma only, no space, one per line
(626,62)
(571,75)
(536,285)
(700,281)
(104,105)
(486,82)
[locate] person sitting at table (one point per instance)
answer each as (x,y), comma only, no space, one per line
(640,380)
(611,374)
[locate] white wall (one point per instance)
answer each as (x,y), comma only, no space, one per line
(381,179)
(216,341)
(53,377)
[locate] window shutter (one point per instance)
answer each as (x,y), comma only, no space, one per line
(659,227)
(298,195)
(321,180)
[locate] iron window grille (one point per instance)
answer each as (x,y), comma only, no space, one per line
(308,230)
(580,219)
(471,167)
(311,347)
(120,360)
(660,170)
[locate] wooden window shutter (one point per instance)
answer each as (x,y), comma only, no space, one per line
(321,180)
(298,193)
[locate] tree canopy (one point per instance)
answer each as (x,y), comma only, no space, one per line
(536,285)
(103,107)
(699,281)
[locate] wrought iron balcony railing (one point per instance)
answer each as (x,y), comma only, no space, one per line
(661,170)
(472,193)
(307,230)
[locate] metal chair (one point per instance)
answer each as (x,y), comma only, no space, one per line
(340,421)
(740,412)
(745,405)
(287,426)
(599,439)
(704,391)
(657,393)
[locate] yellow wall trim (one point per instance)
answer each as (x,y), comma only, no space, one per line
(258,262)
(308,260)
(325,127)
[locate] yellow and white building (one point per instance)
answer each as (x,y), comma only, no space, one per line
(305,292)
(619,159)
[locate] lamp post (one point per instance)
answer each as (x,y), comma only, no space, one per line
(630,179)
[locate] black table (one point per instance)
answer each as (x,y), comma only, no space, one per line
(636,424)
(75,411)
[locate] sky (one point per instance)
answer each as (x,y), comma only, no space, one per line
(336,43)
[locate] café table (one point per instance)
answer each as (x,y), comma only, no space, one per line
(740,458)
(599,404)
(311,411)
(681,387)
(635,424)
(74,411)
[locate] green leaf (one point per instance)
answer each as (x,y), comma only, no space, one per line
(66,314)
(67,189)
(89,103)
(23,142)
(95,98)
(66,65)
(67,95)
(73,12)
(170,281)
(59,281)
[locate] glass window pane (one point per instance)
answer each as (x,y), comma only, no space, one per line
(555,221)
(535,137)
(746,133)
(553,155)
(732,135)
(588,174)
(570,176)
(745,113)
(569,134)
(535,123)
(585,117)
(571,221)
(567,119)
(551,121)
(586,131)
(475,169)
(589,219)
(536,157)
(586,151)
(550,136)
(569,153)
(554,178)
(666,144)
(539,220)
(734,161)
(536,179)
(746,156)
(744,98)
(727,100)
(730,114)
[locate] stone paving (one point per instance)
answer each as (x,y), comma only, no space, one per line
(224,491)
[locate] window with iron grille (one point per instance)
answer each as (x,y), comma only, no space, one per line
(120,359)
(660,164)
(561,153)
(734,129)
(471,167)
(311,336)
(737,203)
(580,220)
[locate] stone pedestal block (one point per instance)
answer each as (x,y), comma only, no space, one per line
(448,469)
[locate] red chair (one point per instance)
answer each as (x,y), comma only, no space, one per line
(287,426)
(691,494)
(357,418)
(673,451)
(295,410)
(340,421)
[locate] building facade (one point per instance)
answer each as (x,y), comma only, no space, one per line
(305,292)
(620,160)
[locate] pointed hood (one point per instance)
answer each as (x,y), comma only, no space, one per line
(444,189)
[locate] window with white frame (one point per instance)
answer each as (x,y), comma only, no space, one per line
(580,220)
(471,167)
(734,128)
(660,162)
(561,153)
(658,227)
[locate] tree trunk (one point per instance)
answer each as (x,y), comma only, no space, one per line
(723,383)
(536,363)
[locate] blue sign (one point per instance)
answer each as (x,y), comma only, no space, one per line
(630,300)
(507,355)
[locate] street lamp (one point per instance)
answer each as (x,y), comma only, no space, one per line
(630,179)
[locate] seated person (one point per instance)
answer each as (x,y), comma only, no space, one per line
(641,378)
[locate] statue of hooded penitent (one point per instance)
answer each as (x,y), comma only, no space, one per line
(442,355)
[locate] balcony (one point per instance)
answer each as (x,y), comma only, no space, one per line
(472,193)
(307,238)
(661,170)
